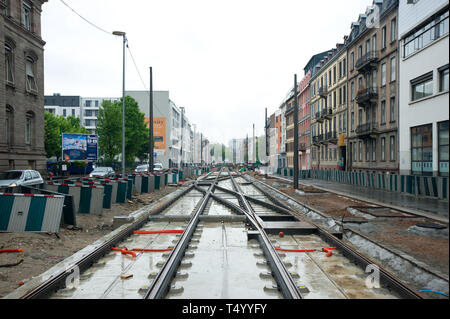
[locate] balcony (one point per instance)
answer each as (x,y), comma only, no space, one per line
(327,113)
(323,91)
(367,62)
(319,117)
(317,140)
(331,137)
(368,130)
(367,96)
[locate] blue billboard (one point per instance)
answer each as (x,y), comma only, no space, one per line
(79,147)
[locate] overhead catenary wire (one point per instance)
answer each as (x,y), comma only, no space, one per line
(91,23)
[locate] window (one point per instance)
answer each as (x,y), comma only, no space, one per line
(334,74)
(30,70)
(426,33)
(73,112)
(360,151)
(374,150)
(383,148)
(383,38)
(383,112)
(64,113)
(88,113)
(422,86)
(9,63)
(367,151)
(352,61)
(345,66)
(88,103)
(353,121)
(340,69)
(360,117)
(29,127)
(352,90)
(443,79)
(344,92)
(393,69)
(393,30)
(26,16)
(383,74)
(422,150)
(392,109)
(443,148)
(9,122)
(96,103)
(354,151)
(374,43)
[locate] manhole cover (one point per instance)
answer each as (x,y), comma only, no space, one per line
(434,226)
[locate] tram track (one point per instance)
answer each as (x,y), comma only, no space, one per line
(224,244)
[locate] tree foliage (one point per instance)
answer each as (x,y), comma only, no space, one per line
(54,127)
(109,130)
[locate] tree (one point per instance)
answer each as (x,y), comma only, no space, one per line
(109,130)
(54,127)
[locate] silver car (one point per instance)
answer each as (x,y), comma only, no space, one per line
(102,172)
(15,178)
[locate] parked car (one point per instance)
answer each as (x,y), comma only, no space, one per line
(144,168)
(102,172)
(15,178)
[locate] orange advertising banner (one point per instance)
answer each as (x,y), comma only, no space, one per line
(159,132)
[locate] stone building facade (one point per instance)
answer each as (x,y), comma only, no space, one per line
(372,57)
(22,87)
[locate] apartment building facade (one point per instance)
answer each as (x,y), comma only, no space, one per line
(424,87)
(329,111)
(22,89)
(304,123)
(372,90)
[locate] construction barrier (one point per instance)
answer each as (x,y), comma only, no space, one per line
(69,216)
(30,212)
(86,199)
(425,186)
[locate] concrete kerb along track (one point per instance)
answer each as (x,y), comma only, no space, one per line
(406,268)
(55,278)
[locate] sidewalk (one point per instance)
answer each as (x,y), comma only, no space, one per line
(427,207)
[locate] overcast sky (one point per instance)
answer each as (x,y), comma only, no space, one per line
(224,61)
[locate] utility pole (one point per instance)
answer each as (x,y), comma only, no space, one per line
(151,151)
(295,134)
(201,149)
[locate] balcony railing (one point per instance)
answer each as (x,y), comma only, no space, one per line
(331,136)
(367,96)
(367,62)
(323,91)
(367,129)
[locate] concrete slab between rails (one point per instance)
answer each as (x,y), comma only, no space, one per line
(68,263)
(289,228)
(205,218)
(417,212)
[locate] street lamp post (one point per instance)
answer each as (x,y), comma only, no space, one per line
(123,34)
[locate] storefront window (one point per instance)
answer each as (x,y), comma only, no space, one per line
(443,148)
(422,150)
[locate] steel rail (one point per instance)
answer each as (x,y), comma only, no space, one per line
(58,280)
(161,284)
(285,282)
(386,277)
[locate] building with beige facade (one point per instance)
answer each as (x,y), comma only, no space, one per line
(329,111)
(372,90)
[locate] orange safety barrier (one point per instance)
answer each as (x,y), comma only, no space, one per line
(152,250)
(328,250)
(296,250)
(174,231)
(11,250)
(125,251)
